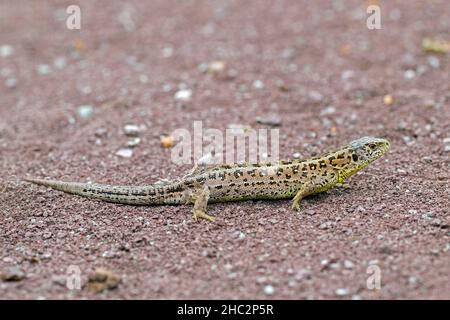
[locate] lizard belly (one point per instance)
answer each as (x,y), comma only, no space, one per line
(257,190)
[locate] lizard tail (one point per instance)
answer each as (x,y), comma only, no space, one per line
(119,194)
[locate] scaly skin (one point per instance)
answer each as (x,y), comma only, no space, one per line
(277,180)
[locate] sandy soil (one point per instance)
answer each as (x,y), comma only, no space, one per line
(314,64)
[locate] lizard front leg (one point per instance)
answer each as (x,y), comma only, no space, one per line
(201,201)
(305,190)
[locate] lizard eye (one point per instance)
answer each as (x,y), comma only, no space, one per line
(372,146)
(355,157)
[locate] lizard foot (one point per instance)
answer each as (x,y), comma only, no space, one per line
(199,214)
(296,206)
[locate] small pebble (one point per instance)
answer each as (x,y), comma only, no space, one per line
(435,46)
(134,142)
(203,67)
(167,141)
(102,280)
(131,130)
(258,84)
(434,62)
(341,292)
(167,52)
(296,155)
(328,110)
(43,69)
(59,63)
(412,280)
(59,280)
(143,78)
(347,74)
(261,279)
(315,96)
(47,235)
(6,50)
(409,74)
(166,87)
(269,290)
(216,67)
(85,90)
(388,100)
(125,19)
(125,153)
(269,120)
(348,264)
(408,140)
(85,111)
(12,274)
(183,95)
(237,129)
(11,83)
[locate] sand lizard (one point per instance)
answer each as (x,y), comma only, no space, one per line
(233,182)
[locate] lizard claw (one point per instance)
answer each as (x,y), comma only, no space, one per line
(198,214)
(296,206)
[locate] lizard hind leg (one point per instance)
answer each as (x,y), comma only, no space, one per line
(200,204)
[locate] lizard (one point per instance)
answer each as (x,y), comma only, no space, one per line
(244,181)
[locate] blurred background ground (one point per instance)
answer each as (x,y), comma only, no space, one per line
(312,68)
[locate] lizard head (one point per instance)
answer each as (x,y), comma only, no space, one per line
(361,153)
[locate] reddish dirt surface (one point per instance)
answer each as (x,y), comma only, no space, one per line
(323,72)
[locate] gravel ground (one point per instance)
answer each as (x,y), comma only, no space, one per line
(66,95)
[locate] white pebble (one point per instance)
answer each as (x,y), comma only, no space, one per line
(133,142)
(11,83)
(166,87)
(4,72)
(236,129)
(216,66)
(85,111)
(269,290)
(348,264)
(341,291)
(124,153)
(328,110)
(126,20)
(6,50)
(143,78)
(315,95)
(59,63)
(183,95)
(131,130)
(167,52)
(412,280)
(203,67)
(409,74)
(43,69)
(258,84)
(434,61)
(347,74)
(86,90)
